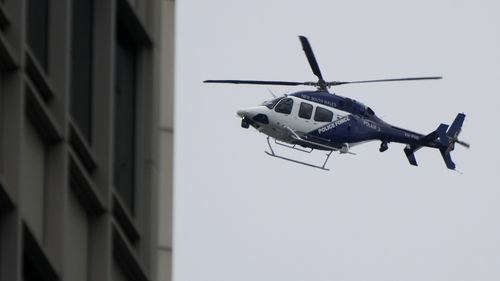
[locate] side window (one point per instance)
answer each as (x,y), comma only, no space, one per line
(305,110)
(323,115)
(284,106)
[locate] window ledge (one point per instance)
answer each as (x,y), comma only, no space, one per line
(40,116)
(36,258)
(84,188)
(7,59)
(124,219)
(81,147)
(125,257)
(133,24)
(36,73)
(5,200)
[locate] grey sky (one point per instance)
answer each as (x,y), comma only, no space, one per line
(241,215)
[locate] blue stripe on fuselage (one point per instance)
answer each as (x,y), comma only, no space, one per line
(348,129)
(353,129)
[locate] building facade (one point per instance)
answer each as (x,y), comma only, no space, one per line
(86,92)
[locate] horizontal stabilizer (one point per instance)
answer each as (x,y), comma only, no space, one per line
(410,155)
(447,158)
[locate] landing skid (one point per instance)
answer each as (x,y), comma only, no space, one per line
(272,154)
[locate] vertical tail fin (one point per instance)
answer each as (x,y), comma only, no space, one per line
(456,127)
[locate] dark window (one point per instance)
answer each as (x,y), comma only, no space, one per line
(369,111)
(284,106)
(323,115)
(38,29)
(81,68)
(4,21)
(29,270)
(261,118)
(346,103)
(305,110)
(125,102)
(35,265)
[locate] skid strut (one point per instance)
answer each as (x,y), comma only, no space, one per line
(273,154)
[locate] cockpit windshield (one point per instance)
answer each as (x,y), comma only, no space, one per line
(271,103)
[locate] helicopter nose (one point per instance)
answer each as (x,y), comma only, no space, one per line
(241,113)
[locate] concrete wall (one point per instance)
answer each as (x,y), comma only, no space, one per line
(61,217)
(166,131)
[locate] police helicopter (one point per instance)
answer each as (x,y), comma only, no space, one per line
(322,120)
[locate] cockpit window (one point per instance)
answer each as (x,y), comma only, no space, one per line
(305,110)
(271,103)
(323,115)
(284,106)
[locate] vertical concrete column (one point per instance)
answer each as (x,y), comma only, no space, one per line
(10,243)
(56,170)
(11,111)
(100,244)
(166,129)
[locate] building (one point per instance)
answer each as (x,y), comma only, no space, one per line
(86,139)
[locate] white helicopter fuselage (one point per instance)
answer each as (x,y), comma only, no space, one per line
(301,118)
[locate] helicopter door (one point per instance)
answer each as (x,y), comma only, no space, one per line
(303,118)
(284,106)
(322,115)
(282,117)
(283,111)
(305,111)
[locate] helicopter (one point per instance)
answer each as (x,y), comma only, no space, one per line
(322,120)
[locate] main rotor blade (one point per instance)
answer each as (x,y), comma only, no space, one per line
(336,83)
(257,82)
(310,57)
